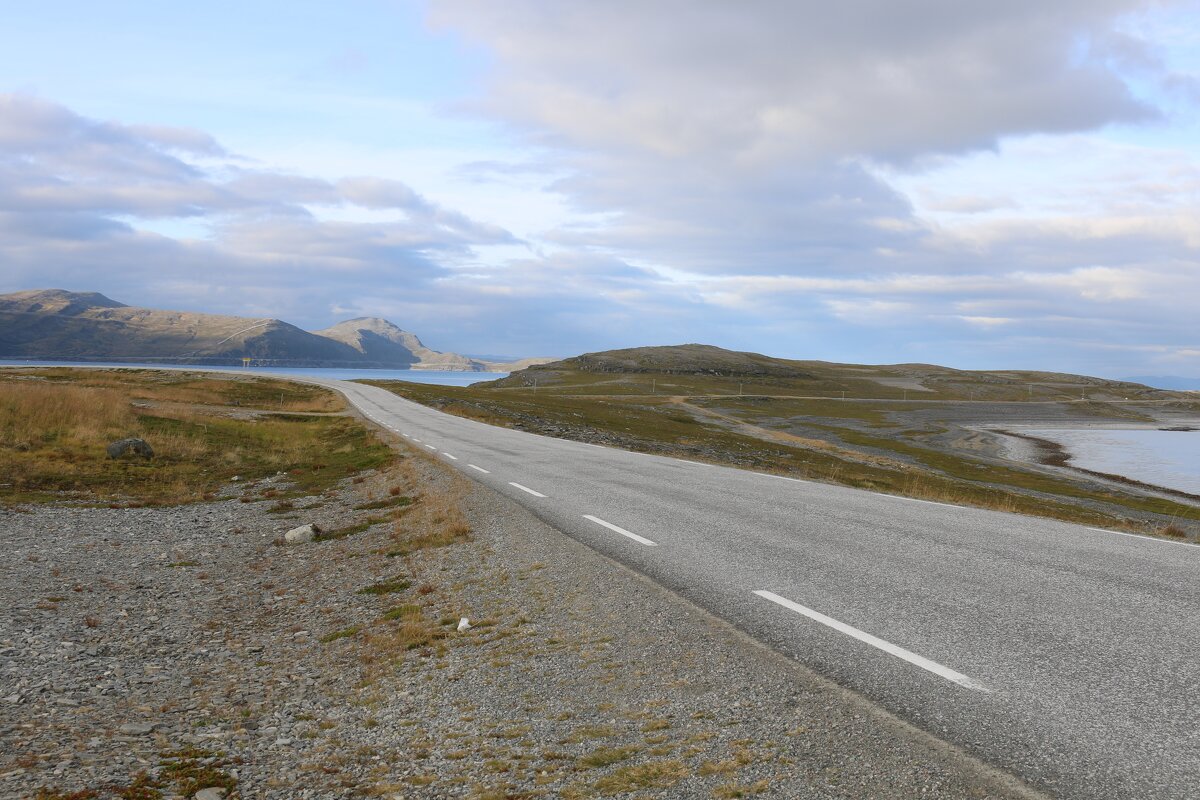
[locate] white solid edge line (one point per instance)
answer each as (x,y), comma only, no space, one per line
(526,489)
(447,455)
(781,477)
(621,531)
(480,469)
(874,641)
(928,502)
(1143,537)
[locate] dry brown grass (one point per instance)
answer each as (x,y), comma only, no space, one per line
(200,388)
(651,775)
(33,414)
(1173,531)
(53,436)
(435,518)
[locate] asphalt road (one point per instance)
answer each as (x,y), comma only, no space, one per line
(1067,655)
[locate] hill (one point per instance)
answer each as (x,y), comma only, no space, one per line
(700,369)
(87,326)
(965,437)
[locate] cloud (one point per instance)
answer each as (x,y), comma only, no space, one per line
(784,177)
(759,81)
(740,138)
(757,153)
(77,197)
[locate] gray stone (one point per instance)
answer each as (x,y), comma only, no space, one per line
(211,793)
(137,728)
(305,533)
(131,446)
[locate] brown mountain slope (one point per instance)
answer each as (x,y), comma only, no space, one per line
(58,324)
(379,340)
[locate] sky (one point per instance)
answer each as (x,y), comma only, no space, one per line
(976,184)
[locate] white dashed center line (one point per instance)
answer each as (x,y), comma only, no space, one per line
(479,469)
(885,646)
(526,489)
(621,531)
(431,447)
(447,455)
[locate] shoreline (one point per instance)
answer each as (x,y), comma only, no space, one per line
(1023,446)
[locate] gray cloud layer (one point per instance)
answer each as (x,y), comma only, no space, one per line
(77,196)
(725,160)
(738,143)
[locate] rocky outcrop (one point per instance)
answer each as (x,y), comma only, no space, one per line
(130,447)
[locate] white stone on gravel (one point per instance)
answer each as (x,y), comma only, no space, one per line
(305,533)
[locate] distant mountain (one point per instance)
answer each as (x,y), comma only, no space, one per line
(87,326)
(381,341)
(1169,382)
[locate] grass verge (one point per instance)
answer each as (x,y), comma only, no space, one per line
(54,430)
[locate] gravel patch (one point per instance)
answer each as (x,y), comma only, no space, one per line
(182,651)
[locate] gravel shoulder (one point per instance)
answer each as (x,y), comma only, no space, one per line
(184,646)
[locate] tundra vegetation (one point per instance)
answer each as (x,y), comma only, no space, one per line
(916,430)
(205,432)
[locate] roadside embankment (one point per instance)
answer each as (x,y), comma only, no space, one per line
(170,649)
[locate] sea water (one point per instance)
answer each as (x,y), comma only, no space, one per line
(441,377)
(1161,458)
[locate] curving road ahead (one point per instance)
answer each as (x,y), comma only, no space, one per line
(1067,655)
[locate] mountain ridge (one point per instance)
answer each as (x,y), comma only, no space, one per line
(59,324)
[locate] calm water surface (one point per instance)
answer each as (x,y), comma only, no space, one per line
(441,377)
(1162,458)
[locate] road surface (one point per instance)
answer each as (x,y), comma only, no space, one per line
(1067,655)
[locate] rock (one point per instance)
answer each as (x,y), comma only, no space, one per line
(464,624)
(137,728)
(305,533)
(211,793)
(132,446)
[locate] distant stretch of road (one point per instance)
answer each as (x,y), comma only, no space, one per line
(1067,655)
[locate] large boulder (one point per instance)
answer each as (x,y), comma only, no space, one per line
(130,447)
(305,533)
